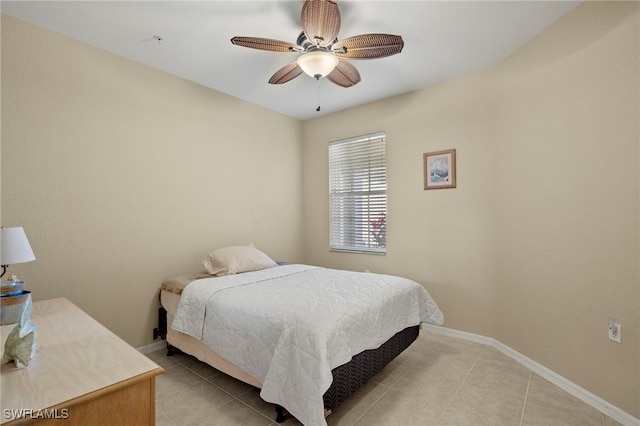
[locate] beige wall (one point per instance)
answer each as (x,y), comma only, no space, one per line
(0,128)
(539,243)
(566,151)
(122,175)
(439,238)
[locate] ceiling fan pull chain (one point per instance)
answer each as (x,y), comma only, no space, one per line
(318,108)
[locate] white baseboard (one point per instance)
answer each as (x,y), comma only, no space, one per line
(584,395)
(156,346)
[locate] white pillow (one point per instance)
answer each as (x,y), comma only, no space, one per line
(236,259)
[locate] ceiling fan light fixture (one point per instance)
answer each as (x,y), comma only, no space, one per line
(317,63)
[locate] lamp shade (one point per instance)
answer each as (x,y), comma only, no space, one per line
(14,246)
(317,63)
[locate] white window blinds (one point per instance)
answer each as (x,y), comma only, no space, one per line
(358,194)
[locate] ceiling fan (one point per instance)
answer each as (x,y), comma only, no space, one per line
(321,52)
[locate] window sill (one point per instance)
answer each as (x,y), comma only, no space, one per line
(374,252)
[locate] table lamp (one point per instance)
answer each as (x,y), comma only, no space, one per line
(15,306)
(14,247)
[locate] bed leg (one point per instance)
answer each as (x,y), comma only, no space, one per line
(161,331)
(280,414)
(170,350)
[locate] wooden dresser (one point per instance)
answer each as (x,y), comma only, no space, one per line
(81,374)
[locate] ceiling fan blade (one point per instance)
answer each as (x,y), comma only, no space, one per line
(320,21)
(368,46)
(286,73)
(265,44)
(344,74)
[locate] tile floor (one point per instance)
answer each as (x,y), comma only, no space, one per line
(438,380)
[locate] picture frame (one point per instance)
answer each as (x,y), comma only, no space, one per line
(439,169)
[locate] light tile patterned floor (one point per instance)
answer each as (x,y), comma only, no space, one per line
(439,380)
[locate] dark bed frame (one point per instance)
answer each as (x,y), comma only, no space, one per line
(347,378)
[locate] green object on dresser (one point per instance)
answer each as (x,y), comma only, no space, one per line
(20,346)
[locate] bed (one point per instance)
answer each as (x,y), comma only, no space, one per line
(307,336)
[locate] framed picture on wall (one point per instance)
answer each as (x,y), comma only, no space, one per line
(440,169)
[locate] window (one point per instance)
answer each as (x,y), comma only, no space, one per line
(358,194)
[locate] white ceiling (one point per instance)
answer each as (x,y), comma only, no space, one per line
(443,40)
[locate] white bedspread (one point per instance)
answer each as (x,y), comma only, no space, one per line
(289,326)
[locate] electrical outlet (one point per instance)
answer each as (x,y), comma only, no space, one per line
(615,330)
